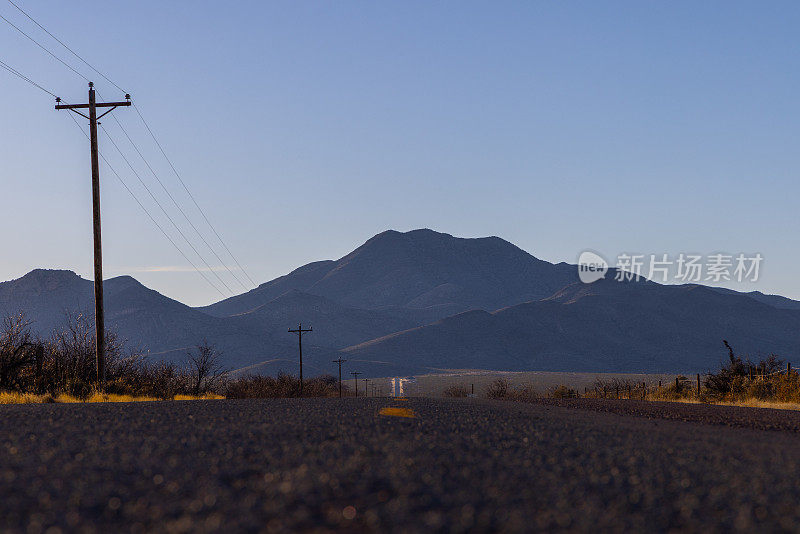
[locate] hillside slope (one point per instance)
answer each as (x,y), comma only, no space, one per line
(605,326)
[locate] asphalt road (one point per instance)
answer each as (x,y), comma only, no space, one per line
(326,464)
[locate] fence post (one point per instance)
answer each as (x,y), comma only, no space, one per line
(788,368)
(677,386)
(698,385)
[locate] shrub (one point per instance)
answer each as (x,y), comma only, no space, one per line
(16,352)
(455,391)
(740,378)
(284,385)
(498,389)
(562,392)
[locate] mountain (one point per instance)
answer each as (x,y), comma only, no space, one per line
(420,275)
(141,316)
(46,295)
(605,326)
(404,303)
(167,329)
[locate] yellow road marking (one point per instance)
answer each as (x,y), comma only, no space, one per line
(397,412)
(400,398)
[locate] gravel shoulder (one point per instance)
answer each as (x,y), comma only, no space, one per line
(709,414)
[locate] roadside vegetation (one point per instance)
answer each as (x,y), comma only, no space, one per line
(767,383)
(62,368)
(499,389)
(284,385)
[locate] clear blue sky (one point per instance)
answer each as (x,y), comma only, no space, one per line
(304,128)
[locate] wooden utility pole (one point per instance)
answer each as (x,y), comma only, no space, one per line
(355,379)
(99,317)
(300,333)
(340,361)
(366,387)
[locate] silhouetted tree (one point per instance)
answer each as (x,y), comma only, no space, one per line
(205,370)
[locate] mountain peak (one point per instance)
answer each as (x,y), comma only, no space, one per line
(38,274)
(47,279)
(415,272)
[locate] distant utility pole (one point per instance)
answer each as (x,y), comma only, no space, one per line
(99,318)
(340,361)
(300,333)
(366,387)
(355,379)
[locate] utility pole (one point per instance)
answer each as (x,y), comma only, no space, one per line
(355,379)
(366,387)
(300,331)
(340,361)
(99,317)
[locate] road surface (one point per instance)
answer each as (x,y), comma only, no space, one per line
(380,465)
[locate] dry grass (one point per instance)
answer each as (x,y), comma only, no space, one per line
(207,396)
(748,402)
(24,398)
(30,398)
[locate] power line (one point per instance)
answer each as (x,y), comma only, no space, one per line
(38,86)
(150,131)
(135,107)
(14,71)
(164,211)
(147,212)
(203,239)
(65,46)
(44,48)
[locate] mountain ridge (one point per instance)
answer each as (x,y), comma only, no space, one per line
(403,302)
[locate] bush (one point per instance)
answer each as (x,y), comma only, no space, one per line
(498,389)
(455,391)
(740,378)
(562,392)
(16,352)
